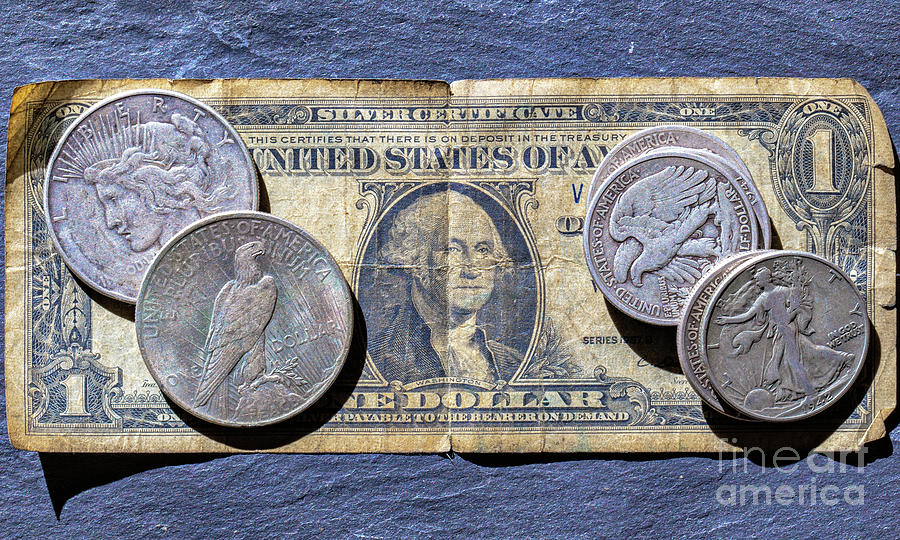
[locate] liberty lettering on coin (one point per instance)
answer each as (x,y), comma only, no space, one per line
(786,335)
(658,225)
(244,319)
(133,170)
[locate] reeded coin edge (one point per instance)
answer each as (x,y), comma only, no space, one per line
(75,123)
(771,254)
(345,288)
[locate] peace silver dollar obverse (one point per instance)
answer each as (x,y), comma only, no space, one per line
(687,139)
(244,319)
(133,170)
(657,226)
(785,335)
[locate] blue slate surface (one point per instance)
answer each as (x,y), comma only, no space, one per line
(384,496)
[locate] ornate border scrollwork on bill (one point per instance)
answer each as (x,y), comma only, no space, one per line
(822,169)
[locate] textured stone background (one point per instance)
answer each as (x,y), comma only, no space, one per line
(381,496)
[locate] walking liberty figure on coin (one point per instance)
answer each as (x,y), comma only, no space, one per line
(772,346)
(242,310)
(131,172)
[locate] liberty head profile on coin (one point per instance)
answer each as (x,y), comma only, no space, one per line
(132,171)
(244,319)
(785,336)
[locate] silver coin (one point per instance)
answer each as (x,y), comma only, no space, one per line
(658,225)
(132,171)
(691,352)
(244,319)
(689,139)
(760,212)
(786,335)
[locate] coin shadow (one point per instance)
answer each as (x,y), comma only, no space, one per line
(116,307)
(776,238)
(308,421)
(67,475)
(758,441)
(784,435)
(264,203)
(652,343)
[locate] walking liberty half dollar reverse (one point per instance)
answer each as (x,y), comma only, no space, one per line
(657,226)
(244,319)
(686,139)
(785,335)
(133,170)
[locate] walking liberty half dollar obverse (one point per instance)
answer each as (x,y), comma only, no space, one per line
(657,226)
(691,352)
(133,170)
(244,319)
(687,139)
(785,335)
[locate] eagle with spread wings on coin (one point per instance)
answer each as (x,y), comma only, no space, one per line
(657,221)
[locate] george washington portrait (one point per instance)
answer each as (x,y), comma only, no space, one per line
(447,280)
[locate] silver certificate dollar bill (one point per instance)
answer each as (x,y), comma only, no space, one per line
(455,212)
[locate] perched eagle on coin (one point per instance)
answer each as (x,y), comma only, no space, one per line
(242,310)
(656,220)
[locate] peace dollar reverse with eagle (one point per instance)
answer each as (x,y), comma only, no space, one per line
(244,319)
(658,224)
(132,171)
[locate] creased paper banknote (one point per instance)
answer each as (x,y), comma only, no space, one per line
(390,176)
